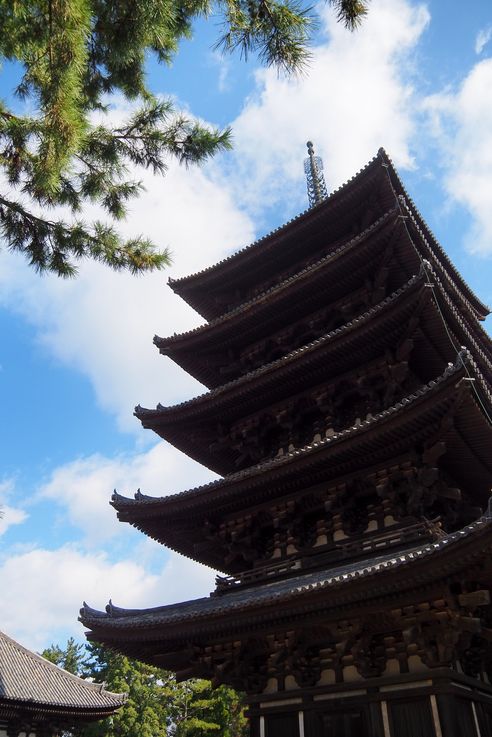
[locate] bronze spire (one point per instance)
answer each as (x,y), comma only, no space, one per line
(313,168)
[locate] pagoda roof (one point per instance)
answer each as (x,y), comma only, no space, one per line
(28,680)
(340,270)
(250,264)
(309,594)
(177,520)
(364,337)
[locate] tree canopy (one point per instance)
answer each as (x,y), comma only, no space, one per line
(70,658)
(157,705)
(72,55)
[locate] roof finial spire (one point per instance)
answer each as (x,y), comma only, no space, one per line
(313,168)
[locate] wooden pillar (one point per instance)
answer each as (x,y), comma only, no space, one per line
(435,716)
(377,727)
(458,717)
(301,723)
(385,717)
(262,726)
(475,719)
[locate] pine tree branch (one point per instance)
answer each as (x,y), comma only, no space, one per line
(55,246)
(76,51)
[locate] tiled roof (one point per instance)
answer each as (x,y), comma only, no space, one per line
(293,356)
(306,274)
(280,591)
(27,677)
(433,244)
(464,366)
(476,339)
(246,310)
(185,285)
(258,244)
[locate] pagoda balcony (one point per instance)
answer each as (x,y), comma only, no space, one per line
(400,538)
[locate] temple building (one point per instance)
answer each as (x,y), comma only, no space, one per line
(38,699)
(348,414)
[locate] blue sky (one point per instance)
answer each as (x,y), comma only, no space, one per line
(77,356)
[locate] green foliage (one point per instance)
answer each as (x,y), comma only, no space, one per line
(277,31)
(71,658)
(157,706)
(146,710)
(350,12)
(76,52)
(200,711)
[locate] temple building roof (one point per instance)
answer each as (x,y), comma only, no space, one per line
(188,424)
(178,520)
(335,274)
(309,594)
(328,222)
(300,293)
(29,681)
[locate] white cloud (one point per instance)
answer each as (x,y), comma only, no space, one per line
(43,590)
(461,122)
(82,488)
(223,65)
(482,39)
(356,97)
(102,323)
(9,515)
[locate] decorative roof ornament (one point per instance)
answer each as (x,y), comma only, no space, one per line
(313,168)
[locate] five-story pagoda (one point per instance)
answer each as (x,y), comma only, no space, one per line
(348,414)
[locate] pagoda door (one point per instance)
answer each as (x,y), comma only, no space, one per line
(353,723)
(282,725)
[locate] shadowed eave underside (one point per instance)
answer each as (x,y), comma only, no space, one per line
(308,594)
(177,520)
(199,289)
(365,336)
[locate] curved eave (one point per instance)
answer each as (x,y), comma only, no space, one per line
(436,251)
(249,316)
(46,712)
(309,594)
(389,434)
(343,267)
(30,682)
(365,337)
(198,289)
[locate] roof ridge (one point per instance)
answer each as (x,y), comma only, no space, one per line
(440,266)
(460,364)
(467,329)
(417,215)
(56,669)
(182,280)
(267,367)
(282,285)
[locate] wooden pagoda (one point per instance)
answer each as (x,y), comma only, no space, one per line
(38,699)
(348,412)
